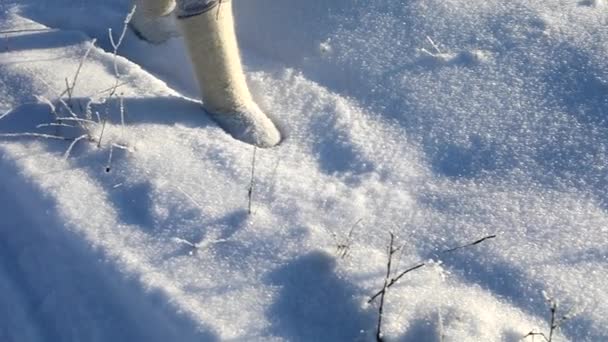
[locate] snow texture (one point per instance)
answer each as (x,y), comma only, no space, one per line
(441,121)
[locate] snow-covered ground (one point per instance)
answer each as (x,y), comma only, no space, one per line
(440,121)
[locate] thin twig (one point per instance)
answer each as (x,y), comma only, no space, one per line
(433,44)
(67,107)
(344,248)
(532,333)
(103,128)
(121,101)
(67,90)
(54,124)
(251,181)
(116,45)
(185,242)
(555,321)
(48,103)
(6,114)
(352,229)
(122,147)
(113,87)
(66,155)
(553,324)
(88,112)
(70,87)
(422,264)
(109,164)
(391,252)
(62,118)
(189,197)
(196,246)
(73,115)
(396,279)
(36,135)
(470,244)
(440,327)
(25,30)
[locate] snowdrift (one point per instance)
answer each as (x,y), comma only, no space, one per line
(442,122)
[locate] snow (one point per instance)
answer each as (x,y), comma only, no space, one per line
(441,121)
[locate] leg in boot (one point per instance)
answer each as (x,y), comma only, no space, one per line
(208,30)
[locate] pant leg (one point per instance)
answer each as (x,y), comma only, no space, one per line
(189,8)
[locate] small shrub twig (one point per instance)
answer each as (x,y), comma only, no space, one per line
(390,281)
(554,323)
(393,281)
(65,113)
(391,252)
(343,248)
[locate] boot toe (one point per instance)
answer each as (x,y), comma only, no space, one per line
(249,124)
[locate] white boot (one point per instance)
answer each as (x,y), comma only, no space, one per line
(153,20)
(208,30)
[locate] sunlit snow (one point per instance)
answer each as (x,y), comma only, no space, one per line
(440,121)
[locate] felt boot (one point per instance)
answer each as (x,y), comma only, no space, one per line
(208,30)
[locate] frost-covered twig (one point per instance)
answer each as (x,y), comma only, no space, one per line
(73,116)
(189,197)
(122,112)
(66,155)
(121,102)
(98,117)
(35,135)
(48,103)
(6,114)
(440,331)
(67,107)
(54,124)
(63,109)
(103,129)
(433,44)
(71,86)
(25,30)
(111,154)
(122,147)
(109,164)
(196,246)
(88,111)
(116,45)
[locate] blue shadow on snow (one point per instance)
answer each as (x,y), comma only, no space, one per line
(64,289)
(315,304)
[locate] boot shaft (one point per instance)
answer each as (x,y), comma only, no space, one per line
(211,40)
